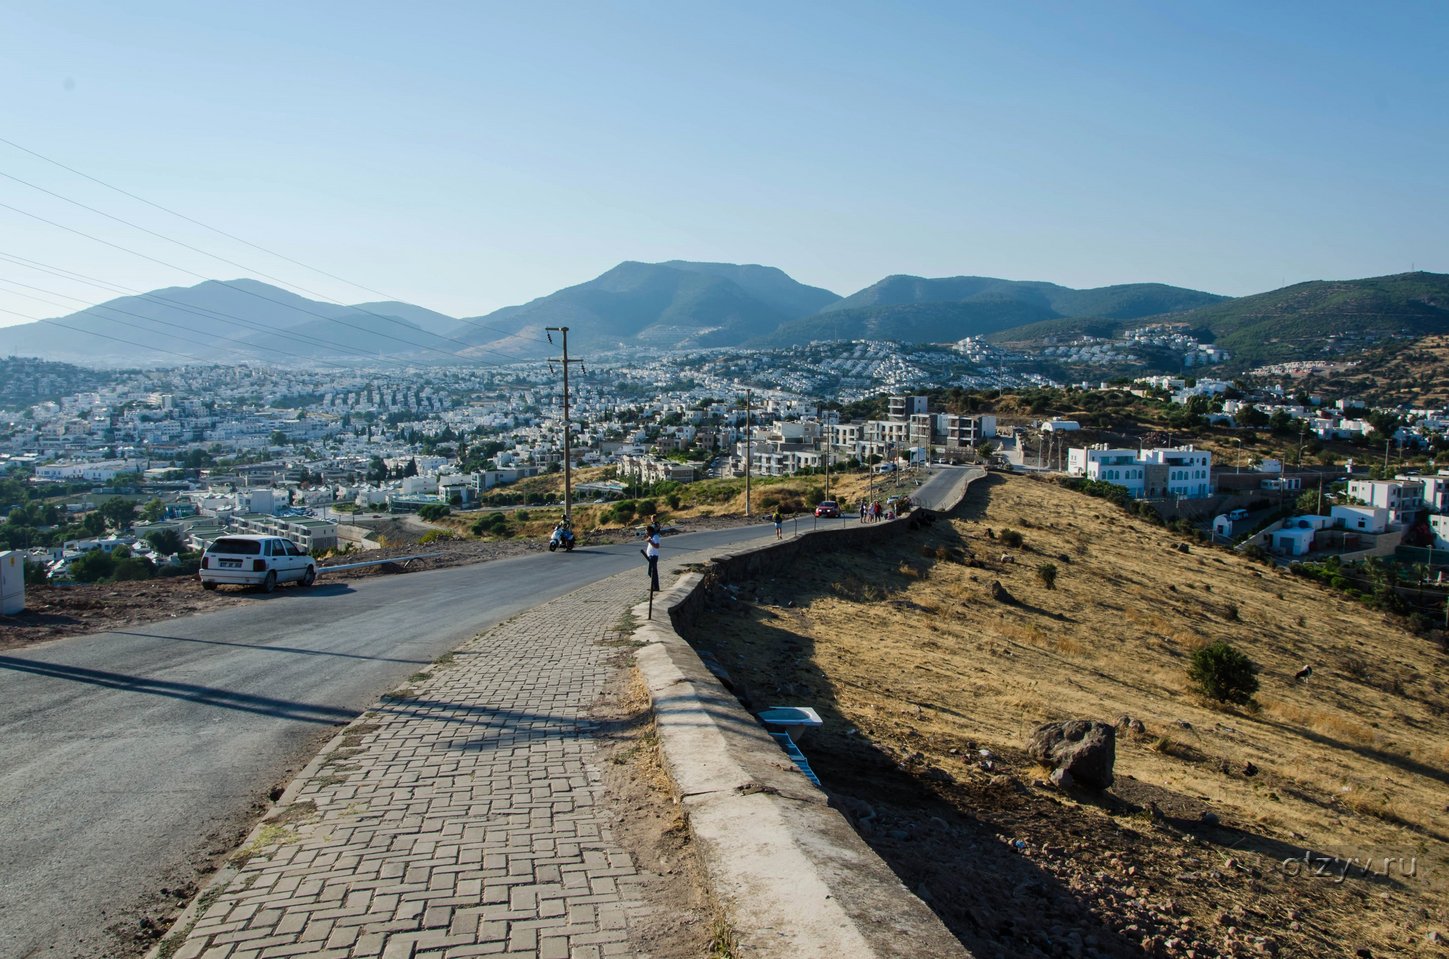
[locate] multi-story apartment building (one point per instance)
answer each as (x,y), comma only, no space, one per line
(958,431)
(1402,497)
(1147,474)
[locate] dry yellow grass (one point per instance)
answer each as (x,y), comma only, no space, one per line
(909,647)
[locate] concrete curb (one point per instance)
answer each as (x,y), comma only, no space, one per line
(792,875)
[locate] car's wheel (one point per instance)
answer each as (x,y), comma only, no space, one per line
(206,585)
(309,577)
(270,583)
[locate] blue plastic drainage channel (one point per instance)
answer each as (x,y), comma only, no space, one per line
(786,725)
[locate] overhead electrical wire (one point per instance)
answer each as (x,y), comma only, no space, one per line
(251,293)
(240,266)
(246,347)
(230,236)
(104,336)
(201,311)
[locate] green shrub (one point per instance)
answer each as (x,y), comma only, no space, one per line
(132,567)
(1047,573)
(1011,538)
(1224,674)
(491,524)
(92,567)
(165,541)
(434,511)
(36,574)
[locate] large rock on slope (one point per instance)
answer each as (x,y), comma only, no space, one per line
(1081,752)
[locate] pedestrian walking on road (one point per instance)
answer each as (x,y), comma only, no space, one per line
(779,519)
(651,553)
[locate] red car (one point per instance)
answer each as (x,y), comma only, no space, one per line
(828,510)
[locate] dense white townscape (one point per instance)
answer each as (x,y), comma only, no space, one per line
(302,443)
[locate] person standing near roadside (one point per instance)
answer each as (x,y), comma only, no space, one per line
(779,519)
(651,553)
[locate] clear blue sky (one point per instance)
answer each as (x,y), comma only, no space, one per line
(467,156)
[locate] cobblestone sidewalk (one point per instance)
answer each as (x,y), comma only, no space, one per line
(459,818)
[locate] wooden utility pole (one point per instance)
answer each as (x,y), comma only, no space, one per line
(567,449)
(827,450)
(748,454)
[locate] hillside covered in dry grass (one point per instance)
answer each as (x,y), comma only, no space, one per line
(1211,841)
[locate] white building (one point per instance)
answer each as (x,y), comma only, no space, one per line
(94,472)
(1362,519)
(1295,537)
(1147,474)
(1401,497)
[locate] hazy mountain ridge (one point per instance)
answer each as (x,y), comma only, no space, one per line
(680,304)
(689,304)
(945,309)
(214,321)
(1123,301)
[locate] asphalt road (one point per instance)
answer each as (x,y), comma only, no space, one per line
(130,760)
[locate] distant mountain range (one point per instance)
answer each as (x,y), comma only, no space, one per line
(680,304)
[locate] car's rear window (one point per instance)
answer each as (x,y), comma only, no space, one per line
(244,547)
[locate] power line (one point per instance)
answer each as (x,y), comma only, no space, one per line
(219,232)
(230,236)
(201,311)
(240,266)
(173,266)
(118,339)
(247,347)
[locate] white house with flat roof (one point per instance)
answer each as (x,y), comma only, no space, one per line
(1401,497)
(1164,473)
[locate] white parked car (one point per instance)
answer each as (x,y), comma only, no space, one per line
(262,561)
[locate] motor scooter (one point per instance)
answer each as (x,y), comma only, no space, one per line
(563,536)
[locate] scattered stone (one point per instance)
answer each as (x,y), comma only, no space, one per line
(1210,819)
(1085,750)
(1249,769)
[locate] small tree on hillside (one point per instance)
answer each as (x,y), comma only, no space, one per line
(165,541)
(1047,573)
(1224,674)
